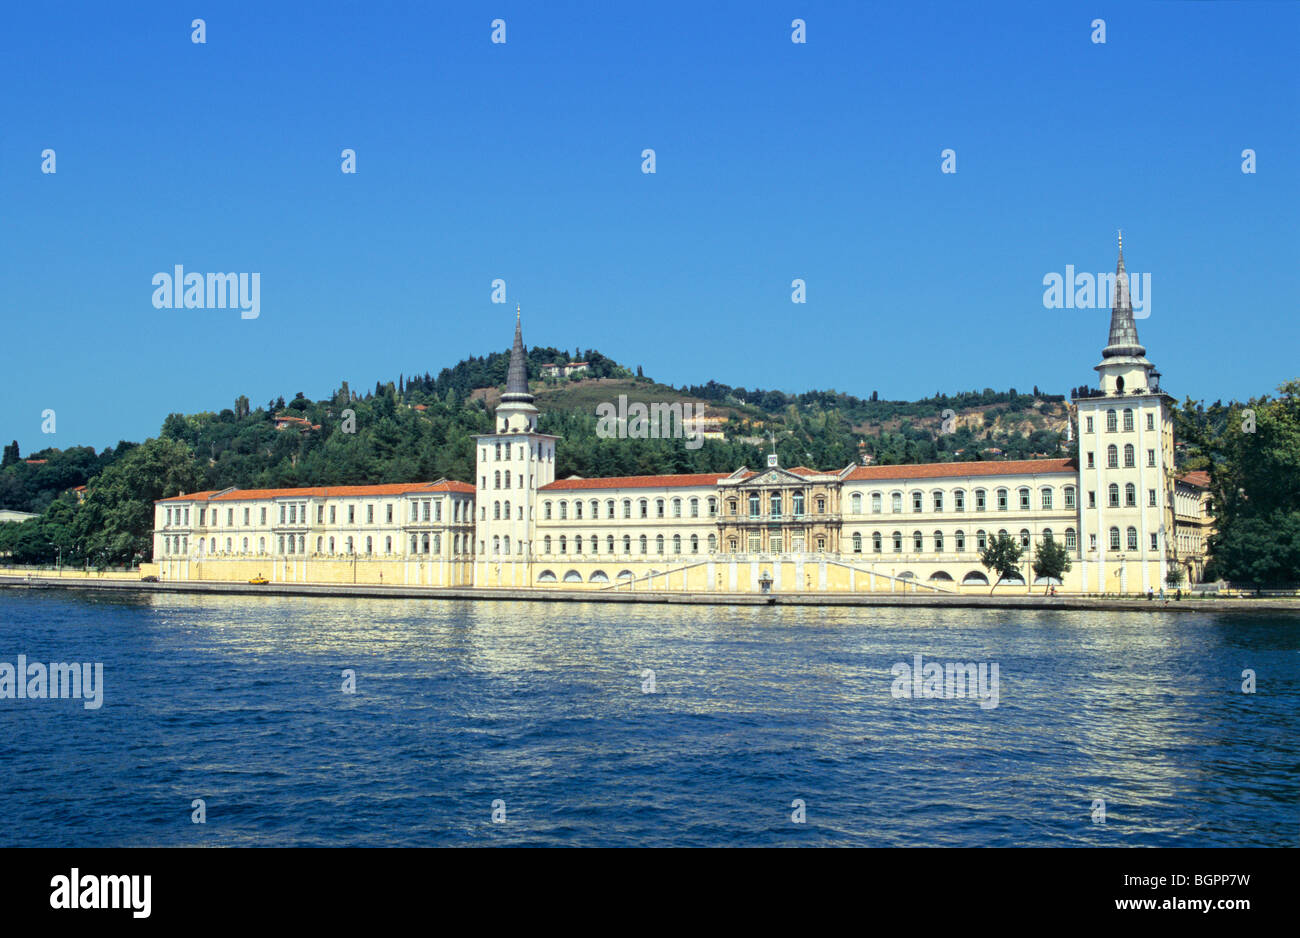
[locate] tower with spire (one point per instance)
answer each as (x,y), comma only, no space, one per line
(1126,461)
(512,464)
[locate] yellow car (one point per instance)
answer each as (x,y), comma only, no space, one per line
(259,580)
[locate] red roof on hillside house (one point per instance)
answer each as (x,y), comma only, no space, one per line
(1199,478)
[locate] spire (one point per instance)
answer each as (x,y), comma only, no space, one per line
(1123,330)
(517,376)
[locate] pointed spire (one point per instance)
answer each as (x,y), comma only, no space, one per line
(517,376)
(1123,330)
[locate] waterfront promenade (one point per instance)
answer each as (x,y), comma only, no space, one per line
(131,583)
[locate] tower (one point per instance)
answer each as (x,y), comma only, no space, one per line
(512,463)
(1126,459)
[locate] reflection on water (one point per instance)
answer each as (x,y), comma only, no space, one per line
(238,701)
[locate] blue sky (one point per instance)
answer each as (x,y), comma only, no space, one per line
(522,161)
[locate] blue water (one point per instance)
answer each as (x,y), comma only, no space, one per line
(238,701)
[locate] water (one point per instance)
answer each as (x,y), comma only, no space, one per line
(238,701)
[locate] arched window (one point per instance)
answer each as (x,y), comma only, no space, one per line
(1002,500)
(1069,496)
(938,542)
(980,501)
(916,501)
(1112,423)
(775,504)
(898,542)
(546,544)
(695,507)
(896,502)
(1130,495)
(643,543)
(496,479)
(1112,456)
(627,508)
(546,510)
(677,543)
(856,503)
(1112,495)
(1047,535)
(505,545)
(595,510)
(1130,459)
(609,509)
(627,543)
(875,503)
(917,545)
(564,511)
(505,510)
(507,484)
(577,508)
(713,507)
(437,543)
(857,542)
(370,545)
(609,542)
(496,511)
(1023,498)
(1071,539)
(1024,537)
(959,541)
(320,543)
(713,543)
(645,508)
(1046,497)
(677,507)
(564,544)
(981,540)
(1132,537)
(261,545)
(659,507)
(659,544)
(796,503)
(876,542)
(1114,538)
(959,500)
(577,541)
(1128,419)
(937,498)
(695,543)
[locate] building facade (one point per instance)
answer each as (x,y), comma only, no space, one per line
(1116,506)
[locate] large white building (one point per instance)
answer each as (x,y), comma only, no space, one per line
(859,528)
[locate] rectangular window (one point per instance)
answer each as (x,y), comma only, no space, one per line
(1024,500)
(389,514)
(370,514)
(1151,457)
(352,514)
(332,509)
(1069,497)
(1089,424)
(1092,462)
(1092,542)
(230,517)
(1092,499)
(1155,541)
(1151,497)
(245,517)
(916,501)
(1151,421)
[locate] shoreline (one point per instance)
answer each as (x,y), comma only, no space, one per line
(1060,602)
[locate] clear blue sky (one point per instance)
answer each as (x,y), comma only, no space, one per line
(523,161)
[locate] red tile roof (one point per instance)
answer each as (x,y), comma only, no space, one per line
(637,482)
(1199,477)
(327,491)
(961,470)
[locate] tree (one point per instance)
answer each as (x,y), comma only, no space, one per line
(1174,578)
(1052,561)
(11,455)
(1002,556)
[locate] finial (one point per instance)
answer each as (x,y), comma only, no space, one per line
(1121,240)
(516,312)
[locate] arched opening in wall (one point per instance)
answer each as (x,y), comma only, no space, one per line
(1119,385)
(1046,581)
(573,576)
(546,576)
(940,575)
(600,576)
(625,575)
(975,578)
(907,575)
(1015,580)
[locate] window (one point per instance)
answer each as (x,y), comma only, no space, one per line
(505,509)
(352,514)
(627,543)
(1130,495)
(627,508)
(959,541)
(496,478)
(496,511)
(1114,538)
(1112,457)
(713,543)
(1151,458)
(609,542)
(856,503)
(283,509)
(1024,537)
(938,501)
(577,509)
(609,509)
(1151,497)
(981,540)
(916,501)
(1112,421)
(564,544)
(1047,499)
(959,500)
(1092,542)
(1047,535)
(659,508)
(857,542)
(713,507)
(677,543)
(898,542)
(1092,499)
(1091,463)
(938,542)
(645,508)
(677,507)
(564,511)
(659,544)
(775,506)
(1132,538)
(695,543)
(979,499)
(695,507)
(1071,539)
(1002,499)
(1129,460)
(796,503)
(875,542)
(1069,496)
(1089,424)
(546,510)
(643,544)
(1155,541)
(1151,421)
(1024,499)
(1112,495)
(577,544)
(917,545)
(1128,419)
